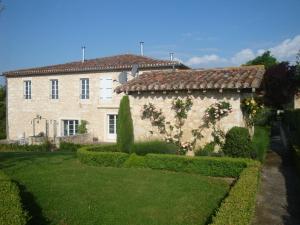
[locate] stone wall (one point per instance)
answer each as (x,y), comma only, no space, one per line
(201,101)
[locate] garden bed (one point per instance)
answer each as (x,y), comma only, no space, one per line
(65,191)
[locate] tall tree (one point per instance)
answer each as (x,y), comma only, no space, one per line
(279,80)
(125,135)
(265,59)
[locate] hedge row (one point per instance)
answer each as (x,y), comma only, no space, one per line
(207,166)
(97,158)
(24,148)
(239,206)
(291,119)
(261,142)
(296,157)
(11,211)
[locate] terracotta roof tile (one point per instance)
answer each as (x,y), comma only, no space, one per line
(118,62)
(243,77)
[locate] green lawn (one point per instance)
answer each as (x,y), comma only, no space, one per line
(58,189)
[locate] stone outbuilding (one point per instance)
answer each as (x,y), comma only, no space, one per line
(204,87)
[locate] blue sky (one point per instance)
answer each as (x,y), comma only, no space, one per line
(201,33)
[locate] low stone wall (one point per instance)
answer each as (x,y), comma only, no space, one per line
(76,139)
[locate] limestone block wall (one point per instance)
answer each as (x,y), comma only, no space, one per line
(21,112)
(297,101)
(201,101)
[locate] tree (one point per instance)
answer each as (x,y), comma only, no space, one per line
(125,135)
(265,59)
(279,85)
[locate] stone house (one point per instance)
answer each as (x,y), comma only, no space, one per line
(204,87)
(53,100)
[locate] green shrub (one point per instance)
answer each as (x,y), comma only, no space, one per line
(296,157)
(238,208)
(238,143)
(135,160)
(25,148)
(160,147)
(113,159)
(125,136)
(291,120)
(207,150)
(11,211)
(208,166)
(264,117)
(68,146)
(261,142)
(82,129)
(104,148)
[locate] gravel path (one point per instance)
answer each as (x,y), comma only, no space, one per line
(278,200)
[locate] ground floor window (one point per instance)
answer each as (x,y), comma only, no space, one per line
(112,125)
(70,127)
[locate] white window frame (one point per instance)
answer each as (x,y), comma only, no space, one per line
(84,88)
(27,89)
(70,132)
(106,91)
(112,136)
(54,89)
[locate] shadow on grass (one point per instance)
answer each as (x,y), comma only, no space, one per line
(29,204)
(21,159)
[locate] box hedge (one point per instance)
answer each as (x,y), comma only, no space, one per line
(112,159)
(11,211)
(239,206)
(25,148)
(155,146)
(208,166)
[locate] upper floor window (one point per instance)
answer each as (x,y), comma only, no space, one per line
(106,88)
(85,89)
(54,89)
(27,89)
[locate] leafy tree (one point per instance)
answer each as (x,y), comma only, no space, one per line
(125,135)
(82,129)
(265,59)
(279,80)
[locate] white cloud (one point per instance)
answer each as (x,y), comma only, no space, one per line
(205,60)
(287,49)
(242,56)
(284,51)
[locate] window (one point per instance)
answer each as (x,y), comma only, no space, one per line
(85,89)
(70,127)
(112,126)
(106,88)
(27,89)
(54,89)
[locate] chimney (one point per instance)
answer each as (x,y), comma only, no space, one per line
(171,56)
(83,54)
(142,48)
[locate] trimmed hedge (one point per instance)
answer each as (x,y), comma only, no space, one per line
(238,208)
(11,211)
(68,146)
(113,159)
(24,148)
(160,147)
(104,148)
(291,119)
(296,157)
(135,161)
(207,166)
(238,143)
(261,142)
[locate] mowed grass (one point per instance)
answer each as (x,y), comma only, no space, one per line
(58,189)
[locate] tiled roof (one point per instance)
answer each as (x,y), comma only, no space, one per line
(226,78)
(112,63)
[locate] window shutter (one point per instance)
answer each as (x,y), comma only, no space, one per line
(105,88)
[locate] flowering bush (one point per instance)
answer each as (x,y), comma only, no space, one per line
(217,111)
(250,107)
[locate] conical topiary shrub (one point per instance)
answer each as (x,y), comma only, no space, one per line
(125,135)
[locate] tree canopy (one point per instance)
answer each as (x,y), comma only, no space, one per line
(265,59)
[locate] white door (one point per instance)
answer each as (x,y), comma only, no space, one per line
(112,126)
